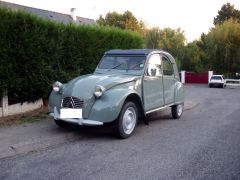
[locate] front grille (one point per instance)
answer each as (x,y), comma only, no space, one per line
(72,102)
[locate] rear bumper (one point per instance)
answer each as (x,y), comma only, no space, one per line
(216,84)
(79,121)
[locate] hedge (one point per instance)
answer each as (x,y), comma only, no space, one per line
(36,52)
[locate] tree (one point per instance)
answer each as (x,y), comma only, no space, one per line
(111,19)
(171,40)
(152,38)
(206,47)
(124,21)
(222,46)
(191,60)
(227,11)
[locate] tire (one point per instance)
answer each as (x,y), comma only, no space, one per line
(127,120)
(210,86)
(61,124)
(177,111)
(222,86)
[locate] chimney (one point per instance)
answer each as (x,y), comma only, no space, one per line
(73,14)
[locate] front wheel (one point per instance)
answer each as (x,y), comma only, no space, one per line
(177,111)
(127,120)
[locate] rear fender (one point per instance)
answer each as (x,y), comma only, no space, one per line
(179,93)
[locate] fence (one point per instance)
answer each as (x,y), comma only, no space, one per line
(233,82)
(7,110)
(198,78)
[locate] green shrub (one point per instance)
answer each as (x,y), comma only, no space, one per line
(35,52)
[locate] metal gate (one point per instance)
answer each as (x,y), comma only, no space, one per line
(198,78)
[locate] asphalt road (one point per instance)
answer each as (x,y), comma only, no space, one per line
(203,144)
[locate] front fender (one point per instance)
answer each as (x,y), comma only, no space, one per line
(107,108)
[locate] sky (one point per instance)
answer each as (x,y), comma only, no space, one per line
(193,16)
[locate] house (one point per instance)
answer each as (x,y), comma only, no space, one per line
(55,16)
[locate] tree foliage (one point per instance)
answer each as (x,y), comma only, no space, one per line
(170,40)
(219,49)
(152,38)
(34,52)
(125,21)
(223,47)
(191,60)
(227,12)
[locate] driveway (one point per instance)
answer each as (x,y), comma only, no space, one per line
(203,144)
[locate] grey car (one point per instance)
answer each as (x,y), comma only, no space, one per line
(126,86)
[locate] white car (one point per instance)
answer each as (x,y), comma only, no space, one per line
(217,81)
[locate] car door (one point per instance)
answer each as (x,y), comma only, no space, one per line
(168,80)
(153,84)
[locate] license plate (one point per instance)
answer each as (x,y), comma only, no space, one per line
(70,113)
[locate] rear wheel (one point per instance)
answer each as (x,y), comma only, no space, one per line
(177,111)
(127,120)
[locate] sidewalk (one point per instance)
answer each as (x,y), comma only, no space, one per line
(27,138)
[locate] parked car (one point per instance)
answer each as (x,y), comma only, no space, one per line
(217,81)
(126,86)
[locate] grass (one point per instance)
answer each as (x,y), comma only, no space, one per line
(29,117)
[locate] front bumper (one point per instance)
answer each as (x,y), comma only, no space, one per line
(78,121)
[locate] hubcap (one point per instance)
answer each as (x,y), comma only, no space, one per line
(179,109)
(129,120)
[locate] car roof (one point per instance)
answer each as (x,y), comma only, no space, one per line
(132,51)
(143,52)
(217,75)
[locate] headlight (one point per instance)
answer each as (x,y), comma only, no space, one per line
(99,90)
(57,86)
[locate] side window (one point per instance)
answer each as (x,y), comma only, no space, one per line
(167,66)
(154,65)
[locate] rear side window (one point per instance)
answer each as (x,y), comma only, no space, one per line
(167,66)
(216,78)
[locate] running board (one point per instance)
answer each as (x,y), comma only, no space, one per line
(163,107)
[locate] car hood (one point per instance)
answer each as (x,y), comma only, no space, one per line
(84,86)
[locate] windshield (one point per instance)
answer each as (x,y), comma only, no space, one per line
(122,62)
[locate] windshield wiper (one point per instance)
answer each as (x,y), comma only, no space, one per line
(117,66)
